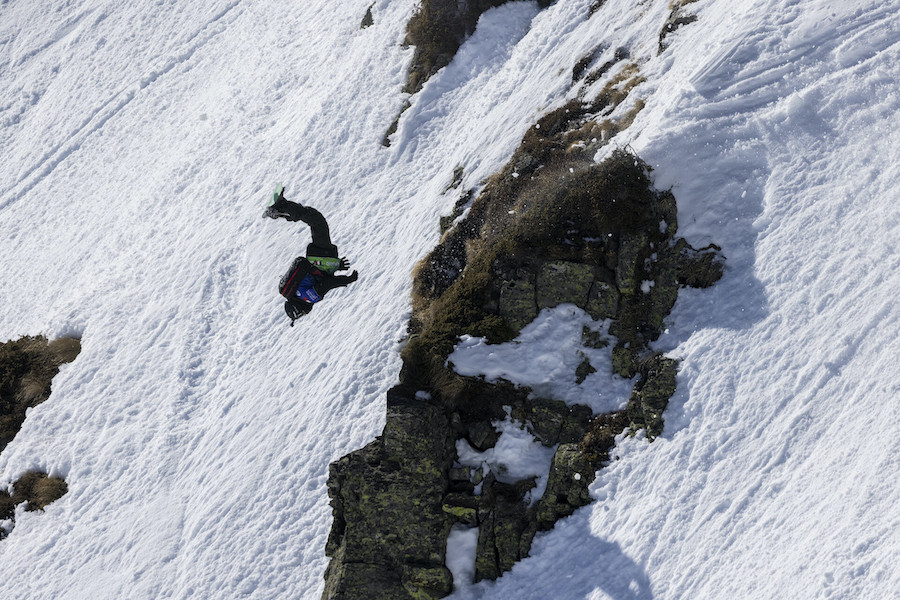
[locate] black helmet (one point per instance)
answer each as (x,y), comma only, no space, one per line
(296,308)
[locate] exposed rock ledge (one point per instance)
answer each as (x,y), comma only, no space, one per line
(541,234)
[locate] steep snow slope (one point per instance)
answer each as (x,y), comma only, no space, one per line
(138,144)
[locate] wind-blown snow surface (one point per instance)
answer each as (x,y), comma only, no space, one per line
(138,142)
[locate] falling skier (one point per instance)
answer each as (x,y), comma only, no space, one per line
(310,277)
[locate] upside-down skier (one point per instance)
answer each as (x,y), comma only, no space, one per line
(312,276)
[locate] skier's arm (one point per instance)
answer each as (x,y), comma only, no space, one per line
(329,282)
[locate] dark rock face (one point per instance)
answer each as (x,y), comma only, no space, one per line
(651,395)
(390,527)
(678,17)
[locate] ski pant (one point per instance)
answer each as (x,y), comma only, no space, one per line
(321,237)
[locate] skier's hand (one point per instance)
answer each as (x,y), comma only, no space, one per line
(345,264)
(354,276)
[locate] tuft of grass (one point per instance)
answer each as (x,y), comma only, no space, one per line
(437,30)
(38,489)
(27,368)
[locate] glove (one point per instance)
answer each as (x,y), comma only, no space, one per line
(345,264)
(354,276)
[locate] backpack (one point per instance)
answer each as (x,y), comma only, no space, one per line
(289,283)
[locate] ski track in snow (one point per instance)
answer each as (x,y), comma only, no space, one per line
(109,109)
(195,429)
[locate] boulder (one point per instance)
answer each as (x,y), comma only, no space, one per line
(567,486)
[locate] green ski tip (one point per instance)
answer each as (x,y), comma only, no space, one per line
(279,190)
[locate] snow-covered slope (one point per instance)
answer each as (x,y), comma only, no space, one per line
(138,143)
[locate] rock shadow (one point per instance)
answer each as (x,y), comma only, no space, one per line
(568,565)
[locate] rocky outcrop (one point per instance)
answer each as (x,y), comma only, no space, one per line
(390,528)
(551,228)
(598,237)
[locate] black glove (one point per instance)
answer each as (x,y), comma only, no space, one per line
(345,264)
(353,276)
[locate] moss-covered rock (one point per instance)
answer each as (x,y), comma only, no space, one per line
(624,361)
(462,507)
(518,300)
(567,486)
(553,421)
(584,369)
(633,251)
(603,300)
(651,394)
(601,436)
(591,338)
(503,520)
(426,583)
(560,282)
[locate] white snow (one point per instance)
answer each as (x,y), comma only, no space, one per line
(517,455)
(544,358)
(138,144)
(462,544)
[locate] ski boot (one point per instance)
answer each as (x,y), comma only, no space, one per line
(277,205)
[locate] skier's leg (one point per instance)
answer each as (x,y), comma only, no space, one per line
(318,227)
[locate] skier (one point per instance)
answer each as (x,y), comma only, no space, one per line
(312,277)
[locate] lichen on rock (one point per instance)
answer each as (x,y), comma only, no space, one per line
(374,493)
(651,394)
